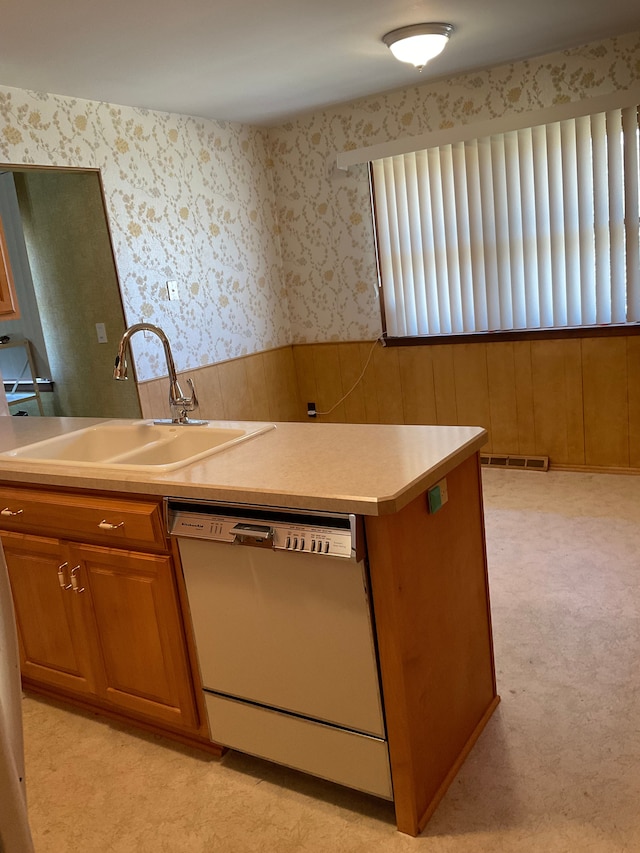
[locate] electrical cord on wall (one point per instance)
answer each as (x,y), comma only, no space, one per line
(358,380)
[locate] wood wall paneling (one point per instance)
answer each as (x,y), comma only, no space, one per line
(368,383)
(388,388)
(555,374)
(154,398)
(574,379)
(305,377)
(523,378)
(574,400)
(207,382)
(417,384)
(444,384)
(236,399)
(328,375)
(144,394)
(282,385)
(260,387)
(351,366)
(257,387)
(633,379)
(502,398)
(471,385)
(606,402)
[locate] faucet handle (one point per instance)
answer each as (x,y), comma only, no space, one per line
(186,404)
(193,399)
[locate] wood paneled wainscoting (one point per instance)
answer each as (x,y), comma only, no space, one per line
(259,387)
(576,400)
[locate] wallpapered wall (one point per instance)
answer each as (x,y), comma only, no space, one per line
(187,199)
(328,252)
(270,243)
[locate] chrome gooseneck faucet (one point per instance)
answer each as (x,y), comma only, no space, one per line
(180,404)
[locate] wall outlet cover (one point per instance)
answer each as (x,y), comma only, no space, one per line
(437,496)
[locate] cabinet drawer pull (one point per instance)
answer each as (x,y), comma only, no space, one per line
(10,512)
(74,580)
(61,578)
(107,525)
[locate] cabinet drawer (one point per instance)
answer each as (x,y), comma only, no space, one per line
(103,520)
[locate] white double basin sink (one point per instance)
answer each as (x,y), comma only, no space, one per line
(136,445)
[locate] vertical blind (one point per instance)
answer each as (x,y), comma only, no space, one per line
(531,229)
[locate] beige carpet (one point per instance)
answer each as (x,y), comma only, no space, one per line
(557,769)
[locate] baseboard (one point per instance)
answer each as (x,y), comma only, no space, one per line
(592,469)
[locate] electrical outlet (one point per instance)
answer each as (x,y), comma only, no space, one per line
(172,290)
(437,496)
(311,410)
(101,332)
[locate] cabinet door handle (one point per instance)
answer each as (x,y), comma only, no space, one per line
(61,578)
(10,512)
(74,580)
(107,525)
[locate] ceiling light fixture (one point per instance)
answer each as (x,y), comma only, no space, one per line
(418,43)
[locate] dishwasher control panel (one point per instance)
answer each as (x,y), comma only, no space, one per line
(280,533)
(315,540)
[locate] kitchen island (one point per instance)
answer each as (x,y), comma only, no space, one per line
(426,560)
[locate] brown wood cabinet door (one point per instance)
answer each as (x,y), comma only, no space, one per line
(53,630)
(8,300)
(140,633)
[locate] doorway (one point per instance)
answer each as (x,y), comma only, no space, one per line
(68,289)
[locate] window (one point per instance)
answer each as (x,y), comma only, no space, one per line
(533,229)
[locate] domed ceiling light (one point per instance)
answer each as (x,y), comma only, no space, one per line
(418,43)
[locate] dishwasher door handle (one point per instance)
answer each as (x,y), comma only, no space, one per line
(260,535)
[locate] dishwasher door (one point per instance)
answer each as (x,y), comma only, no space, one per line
(288,631)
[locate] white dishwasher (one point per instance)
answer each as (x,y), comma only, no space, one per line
(283,629)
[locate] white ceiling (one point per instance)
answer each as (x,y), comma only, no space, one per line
(263,61)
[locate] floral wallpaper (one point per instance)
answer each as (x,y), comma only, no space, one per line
(269,242)
(327,248)
(189,200)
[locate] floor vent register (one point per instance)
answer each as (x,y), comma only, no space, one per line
(527,463)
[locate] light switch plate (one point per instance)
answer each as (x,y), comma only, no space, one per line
(101,332)
(172,290)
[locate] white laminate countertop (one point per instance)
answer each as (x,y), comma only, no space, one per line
(368,469)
